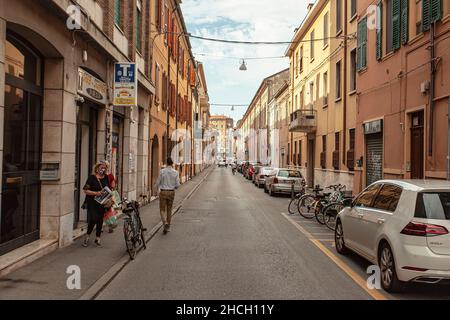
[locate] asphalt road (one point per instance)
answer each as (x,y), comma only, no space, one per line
(232,241)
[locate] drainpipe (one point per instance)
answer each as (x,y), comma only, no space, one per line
(432,88)
(168,104)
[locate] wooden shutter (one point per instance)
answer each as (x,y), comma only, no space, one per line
(379,46)
(159,14)
(362,44)
(426,15)
(396,24)
(405,21)
(436,10)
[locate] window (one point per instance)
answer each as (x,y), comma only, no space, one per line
(338,16)
(433,205)
(298,64)
(323,154)
(166,24)
(379,32)
(312,43)
(361,51)
(353,8)
(159,14)
(138,26)
(325,29)
(295,153)
(296,102)
(353,70)
(301,59)
(118,12)
(311,92)
(302,98)
(157,82)
(389,44)
(337,139)
(351,151)
(300,153)
(338,80)
(325,89)
(388,198)
(418,16)
(365,199)
(431,12)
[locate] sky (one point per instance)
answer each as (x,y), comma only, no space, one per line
(242,20)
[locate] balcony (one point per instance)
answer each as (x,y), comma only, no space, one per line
(304,120)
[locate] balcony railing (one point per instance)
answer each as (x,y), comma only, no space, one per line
(304,120)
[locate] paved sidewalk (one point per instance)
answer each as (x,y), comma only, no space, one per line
(46,278)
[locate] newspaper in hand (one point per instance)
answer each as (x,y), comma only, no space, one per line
(105,196)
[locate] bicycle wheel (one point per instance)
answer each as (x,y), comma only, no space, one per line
(306,206)
(330,213)
(318,210)
(129,238)
(293,205)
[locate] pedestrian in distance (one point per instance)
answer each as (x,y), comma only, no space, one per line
(93,187)
(166,184)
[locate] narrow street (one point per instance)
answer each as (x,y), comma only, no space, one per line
(232,241)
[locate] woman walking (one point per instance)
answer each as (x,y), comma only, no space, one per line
(95,211)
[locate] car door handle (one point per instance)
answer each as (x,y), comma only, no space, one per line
(381,221)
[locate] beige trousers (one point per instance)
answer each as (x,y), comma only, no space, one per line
(166,199)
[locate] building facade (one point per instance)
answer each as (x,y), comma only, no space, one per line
(58,118)
(403,93)
(254,127)
(221,127)
(323,94)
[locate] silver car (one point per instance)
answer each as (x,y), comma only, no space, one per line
(281,181)
(260,177)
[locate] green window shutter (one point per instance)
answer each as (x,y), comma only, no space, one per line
(396,24)
(405,21)
(436,10)
(117,11)
(361,55)
(379,49)
(426,15)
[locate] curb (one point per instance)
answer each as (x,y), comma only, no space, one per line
(97,288)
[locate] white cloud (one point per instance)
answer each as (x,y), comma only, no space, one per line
(244,20)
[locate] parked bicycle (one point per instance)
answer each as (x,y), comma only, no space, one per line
(294,203)
(331,211)
(310,205)
(133,229)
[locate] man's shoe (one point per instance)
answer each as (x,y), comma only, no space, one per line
(98,243)
(85,242)
(166,226)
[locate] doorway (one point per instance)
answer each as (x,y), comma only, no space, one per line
(86,146)
(20,207)
(417,145)
(117,151)
(311,162)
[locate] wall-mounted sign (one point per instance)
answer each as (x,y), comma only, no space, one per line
(373,127)
(91,87)
(125,84)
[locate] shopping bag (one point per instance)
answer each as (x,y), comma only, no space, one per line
(110,218)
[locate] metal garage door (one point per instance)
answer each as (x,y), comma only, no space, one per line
(374,156)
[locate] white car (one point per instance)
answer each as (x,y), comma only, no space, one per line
(403,227)
(222,163)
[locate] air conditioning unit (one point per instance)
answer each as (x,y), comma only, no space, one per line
(425,87)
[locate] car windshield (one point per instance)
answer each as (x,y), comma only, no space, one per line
(289,174)
(266,170)
(433,205)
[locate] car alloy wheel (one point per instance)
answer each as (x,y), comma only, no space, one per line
(339,239)
(389,279)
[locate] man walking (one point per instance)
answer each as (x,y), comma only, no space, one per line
(168,181)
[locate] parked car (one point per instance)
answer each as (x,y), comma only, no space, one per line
(403,227)
(222,163)
(281,180)
(248,171)
(256,170)
(260,177)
